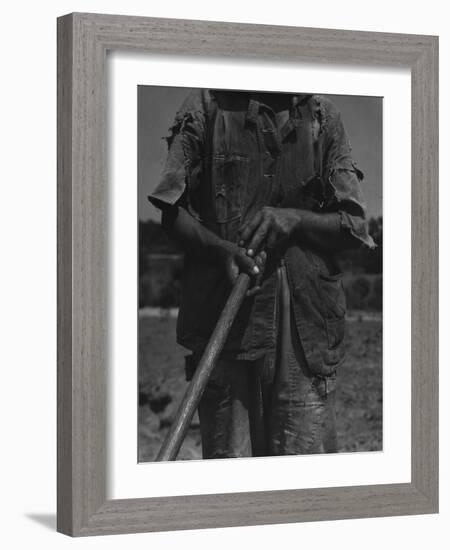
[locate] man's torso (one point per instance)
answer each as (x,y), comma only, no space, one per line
(255,156)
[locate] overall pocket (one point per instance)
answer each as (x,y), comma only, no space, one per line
(230,172)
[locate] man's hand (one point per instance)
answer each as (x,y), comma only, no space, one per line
(273,227)
(235,260)
(269,228)
(200,242)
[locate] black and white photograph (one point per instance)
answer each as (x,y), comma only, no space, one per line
(260,273)
(221,240)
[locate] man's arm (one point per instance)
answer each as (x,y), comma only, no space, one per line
(172,194)
(200,242)
(342,222)
(272,227)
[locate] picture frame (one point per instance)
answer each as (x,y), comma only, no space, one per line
(83,41)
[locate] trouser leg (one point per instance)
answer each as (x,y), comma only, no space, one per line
(241,416)
(302,416)
(224,412)
(289,412)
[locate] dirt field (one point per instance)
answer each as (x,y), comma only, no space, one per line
(162,383)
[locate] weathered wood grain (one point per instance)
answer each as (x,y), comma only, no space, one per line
(83,40)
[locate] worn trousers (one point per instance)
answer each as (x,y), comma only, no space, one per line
(271,406)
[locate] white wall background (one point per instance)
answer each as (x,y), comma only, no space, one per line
(28,274)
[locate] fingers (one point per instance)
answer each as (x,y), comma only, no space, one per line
(260,261)
(247,264)
(254,233)
(239,262)
(248,228)
(258,237)
(261,257)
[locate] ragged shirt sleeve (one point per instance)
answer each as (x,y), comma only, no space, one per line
(181,175)
(341,175)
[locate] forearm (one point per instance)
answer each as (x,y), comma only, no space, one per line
(275,227)
(205,246)
(323,231)
(192,237)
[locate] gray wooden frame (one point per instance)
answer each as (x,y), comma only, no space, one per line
(83,40)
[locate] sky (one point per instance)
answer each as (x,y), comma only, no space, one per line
(362,116)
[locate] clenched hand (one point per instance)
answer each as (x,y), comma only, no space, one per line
(235,260)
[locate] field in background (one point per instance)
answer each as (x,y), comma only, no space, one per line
(162,384)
